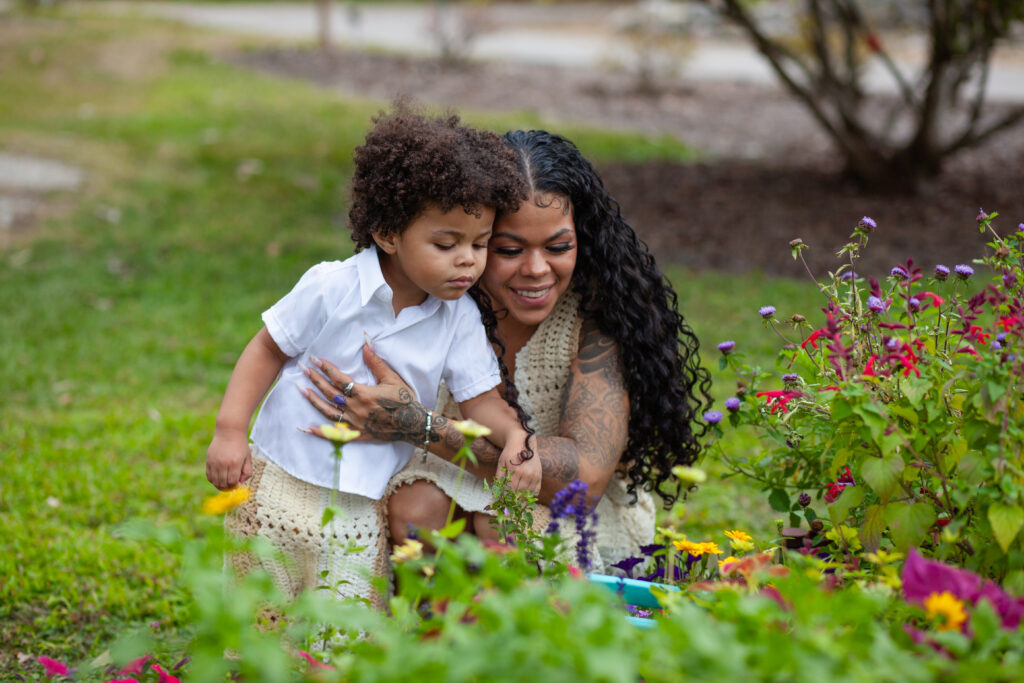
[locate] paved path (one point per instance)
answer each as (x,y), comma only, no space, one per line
(582,35)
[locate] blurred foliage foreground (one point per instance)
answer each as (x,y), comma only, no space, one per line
(209,190)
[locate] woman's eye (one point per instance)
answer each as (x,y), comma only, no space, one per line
(507,251)
(560,248)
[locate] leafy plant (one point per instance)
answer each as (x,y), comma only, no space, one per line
(902,408)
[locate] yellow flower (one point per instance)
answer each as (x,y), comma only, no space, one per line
(738,535)
(410,550)
(470,429)
(697,549)
(226,500)
(742,546)
(728,560)
(951,609)
(694,475)
(884,557)
(339,432)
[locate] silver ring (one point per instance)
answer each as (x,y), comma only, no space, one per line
(347,391)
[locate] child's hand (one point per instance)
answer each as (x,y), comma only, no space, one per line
(526,473)
(228,460)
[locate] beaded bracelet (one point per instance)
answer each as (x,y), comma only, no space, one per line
(426,437)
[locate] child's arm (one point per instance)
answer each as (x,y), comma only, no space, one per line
(491,410)
(228,460)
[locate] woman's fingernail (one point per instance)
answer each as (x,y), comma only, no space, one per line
(302,389)
(316,361)
(369,342)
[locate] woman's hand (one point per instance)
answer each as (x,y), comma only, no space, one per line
(386,412)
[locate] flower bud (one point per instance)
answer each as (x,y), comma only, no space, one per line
(804,499)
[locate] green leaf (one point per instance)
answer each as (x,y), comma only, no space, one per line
(909,524)
(871,530)
(329,513)
(453,529)
(779,500)
(882,475)
(915,390)
(1006,521)
(840,509)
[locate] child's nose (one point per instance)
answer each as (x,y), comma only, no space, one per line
(465,256)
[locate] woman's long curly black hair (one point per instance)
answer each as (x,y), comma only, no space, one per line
(630,300)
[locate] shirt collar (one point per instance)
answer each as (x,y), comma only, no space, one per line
(372,282)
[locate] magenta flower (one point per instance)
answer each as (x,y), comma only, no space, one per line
(922,578)
(52,666)
(135,666)
(164,676)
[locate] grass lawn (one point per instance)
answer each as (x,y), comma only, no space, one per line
(209,191)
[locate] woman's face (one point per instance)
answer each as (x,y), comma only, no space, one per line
(531,257)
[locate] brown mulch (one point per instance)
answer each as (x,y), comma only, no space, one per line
(768,176)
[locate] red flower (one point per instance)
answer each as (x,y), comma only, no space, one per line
(833,492)
(164,676)
(811,339)
(314,663)
(779,398)
(978,334)
(934,298)
(908,364)
(869,369)
(134,666)
(52,666)
(1008,321)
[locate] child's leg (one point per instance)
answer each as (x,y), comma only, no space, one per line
(483,529)
(419,503)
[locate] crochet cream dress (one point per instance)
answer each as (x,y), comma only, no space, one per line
(353,547)
(542,370)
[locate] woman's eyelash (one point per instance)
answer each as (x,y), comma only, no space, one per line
(560,248)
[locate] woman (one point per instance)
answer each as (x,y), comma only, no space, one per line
(600,359)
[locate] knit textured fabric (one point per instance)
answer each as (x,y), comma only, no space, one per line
(542,370)
(287,511)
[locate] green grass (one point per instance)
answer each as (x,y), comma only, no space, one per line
(124,313)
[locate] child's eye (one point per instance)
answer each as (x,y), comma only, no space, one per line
(479,246)
(445,247)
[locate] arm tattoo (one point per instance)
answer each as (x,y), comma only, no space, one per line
(599,354)
(593,401)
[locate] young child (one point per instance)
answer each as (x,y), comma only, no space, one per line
(424,196)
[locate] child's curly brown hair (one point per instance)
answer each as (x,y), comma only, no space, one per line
(410,160)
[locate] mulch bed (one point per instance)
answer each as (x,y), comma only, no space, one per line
(769,175)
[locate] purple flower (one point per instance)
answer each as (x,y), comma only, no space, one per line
(1020,227)
(899,272)
(868,223)
(1009,280)
(982,216)
(650,549)
(626,565)
(996,346)
(726,347)
(572,502)
(766,311)
(963,271)
(790,378)
(941,272)
(849,275)
(893,344)
(713,417)
(732,404)
(915,303)
(876,304)
(1001,337)
(923,577)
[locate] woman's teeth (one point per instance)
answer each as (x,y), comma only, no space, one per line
(532,294)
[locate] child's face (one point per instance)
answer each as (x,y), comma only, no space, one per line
(440,253)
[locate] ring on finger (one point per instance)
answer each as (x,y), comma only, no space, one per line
(339,401)
(347,391)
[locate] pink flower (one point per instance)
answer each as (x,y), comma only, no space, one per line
(134,666)
(779,398)
(123,680)
(923,577)
(164,676)
(314,663)
(934,298)
(52,666)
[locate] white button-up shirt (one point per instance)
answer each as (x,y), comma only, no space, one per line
(325,316)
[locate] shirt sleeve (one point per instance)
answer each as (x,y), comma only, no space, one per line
(471,367)
(296,320)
